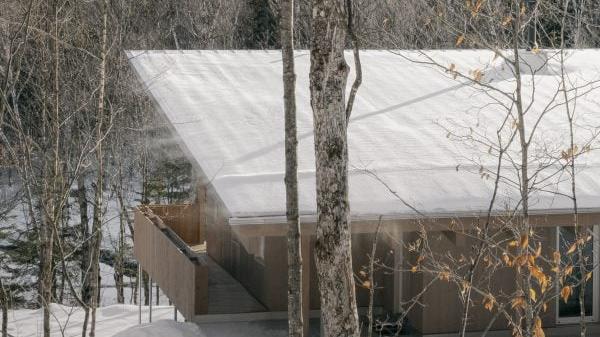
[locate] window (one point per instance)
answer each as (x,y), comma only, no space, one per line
(569,312)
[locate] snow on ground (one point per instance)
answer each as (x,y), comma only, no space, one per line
(111,320)
(108,292)
(163,329)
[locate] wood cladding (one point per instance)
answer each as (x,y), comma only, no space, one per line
(181,275)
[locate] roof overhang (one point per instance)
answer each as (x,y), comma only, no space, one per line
(275,225)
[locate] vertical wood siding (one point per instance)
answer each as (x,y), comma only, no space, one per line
(182,277)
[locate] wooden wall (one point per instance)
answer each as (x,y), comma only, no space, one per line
(442,313)
(182,279)
(183,219)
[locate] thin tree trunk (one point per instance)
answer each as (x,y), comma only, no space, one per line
(156,288)
(372,285)
(146,285)
(295,318)
(580,232)
(525,230)
(4,304)
(328,77)
(119,260)
(97,221)
(85,248)
(50,188)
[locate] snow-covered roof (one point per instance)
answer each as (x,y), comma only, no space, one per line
(416,129)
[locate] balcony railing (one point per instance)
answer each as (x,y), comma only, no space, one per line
(163,236)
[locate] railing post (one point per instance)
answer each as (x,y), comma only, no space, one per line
(150,297)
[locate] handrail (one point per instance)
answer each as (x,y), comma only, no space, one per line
(181,273)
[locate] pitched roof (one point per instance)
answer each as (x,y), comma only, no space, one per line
(416,130)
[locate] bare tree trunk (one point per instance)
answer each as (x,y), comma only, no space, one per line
(525,228)
(120,259)
(97,221)
(4,304)
(580,231)
(328,77)
(85,256)
(146,285)
(156,290)
(295,319)
(49,188)
(45,278)
(371,284)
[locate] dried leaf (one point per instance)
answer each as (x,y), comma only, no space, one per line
(518,302)
(572,249)
(444,275)
(532,294)
(569,270)
(556,256)
(537,329)
(477,75)
(524,241)
(367,284)
(565,293)
(488,302)
(506,21)
(538,251)
(506,259)
(460,40)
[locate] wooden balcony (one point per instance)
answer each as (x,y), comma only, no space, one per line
(170,246)
(180,272)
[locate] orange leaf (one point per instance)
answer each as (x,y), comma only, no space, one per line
(538,251)
(488,302)
(556,256)
(537,329)
(524,241)
(518,302)
(569,270)
(565,293)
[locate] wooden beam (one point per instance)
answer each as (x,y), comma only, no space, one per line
(413,224)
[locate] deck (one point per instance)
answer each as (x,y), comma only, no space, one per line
(168,250)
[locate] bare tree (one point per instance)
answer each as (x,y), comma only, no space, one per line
(98,198)
(328,78)
(295,314)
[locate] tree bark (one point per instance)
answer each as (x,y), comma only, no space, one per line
(4,305)
(328,77)
(97,221)
(295,318)
(85,248)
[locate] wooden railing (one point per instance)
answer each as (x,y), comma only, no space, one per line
(183,219)
(167,258)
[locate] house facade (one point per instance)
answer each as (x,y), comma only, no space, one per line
(422,158)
